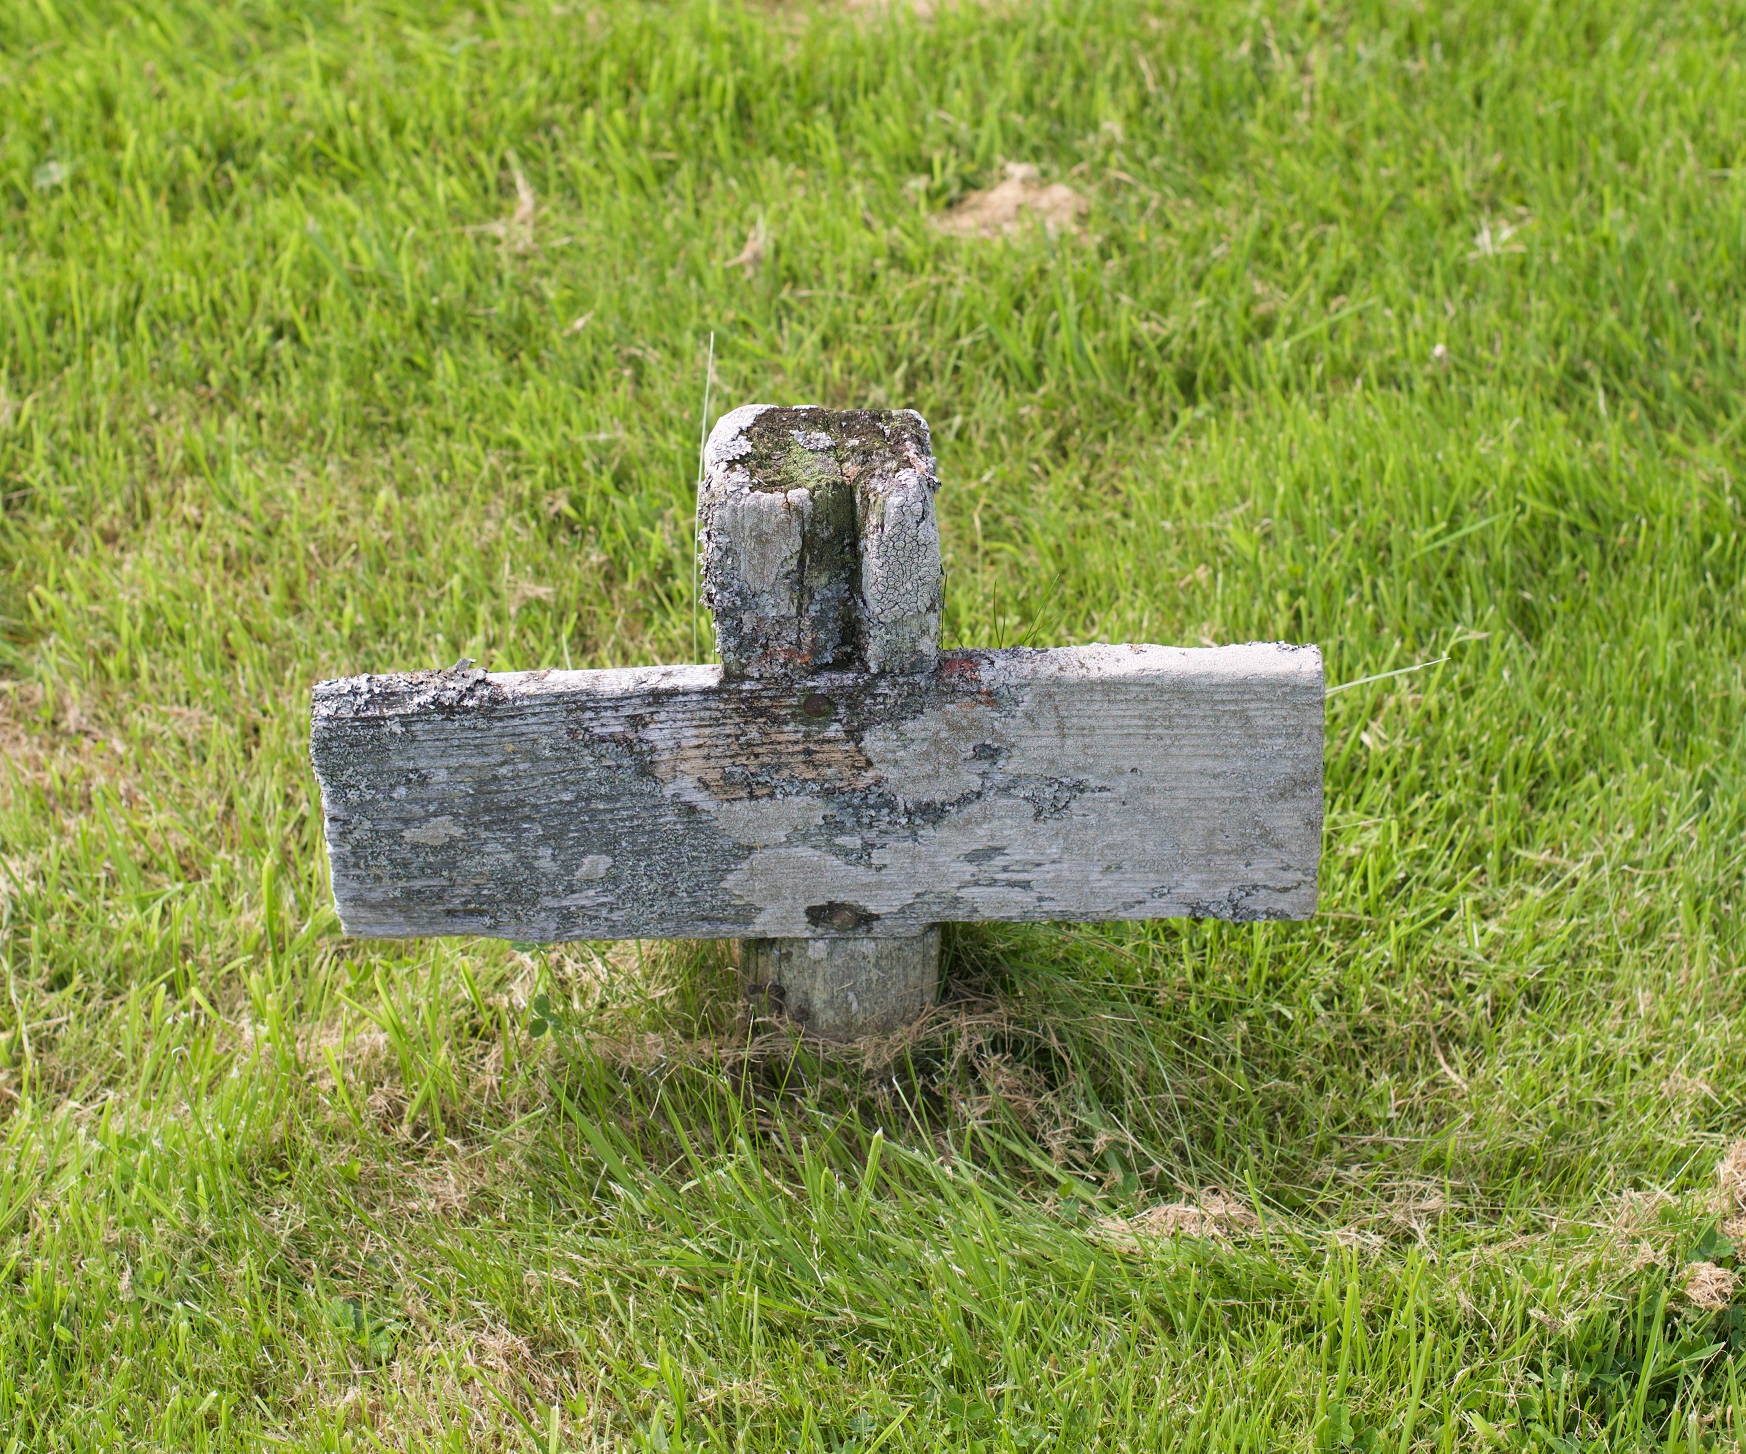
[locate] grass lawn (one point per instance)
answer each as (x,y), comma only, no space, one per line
(364,336)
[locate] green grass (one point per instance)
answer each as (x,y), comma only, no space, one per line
(278,402)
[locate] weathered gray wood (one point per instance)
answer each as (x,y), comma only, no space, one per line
(1082,783)
(836,788)
(821,550)
(820,546)
(841,989)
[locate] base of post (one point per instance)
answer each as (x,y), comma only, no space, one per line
(841,989)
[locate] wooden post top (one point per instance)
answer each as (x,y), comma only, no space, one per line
(820,547)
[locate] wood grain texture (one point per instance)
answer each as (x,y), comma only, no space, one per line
(820,546)
(1079,783)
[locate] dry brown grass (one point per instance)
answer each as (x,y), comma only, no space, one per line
(516,231)
(1731,1179)
(1213,1214)
(1020,200)
(1708,1286)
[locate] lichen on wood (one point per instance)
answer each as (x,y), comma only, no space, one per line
(820,546)
(1078,783)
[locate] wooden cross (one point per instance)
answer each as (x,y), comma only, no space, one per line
(838,787)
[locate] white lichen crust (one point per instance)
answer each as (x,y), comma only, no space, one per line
(820,546)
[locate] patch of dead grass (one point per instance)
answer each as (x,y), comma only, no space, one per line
(516,231)
(1731,1179)
(1018,201)
(32,748)
(1731,1193)
(752,254)
(921,9)
(924,9)
(1681,1088)
(641,1052)
(71,749)
(1213,1214)
(1708,1286)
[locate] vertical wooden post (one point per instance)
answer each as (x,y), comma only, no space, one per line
(843,988)
(821,552)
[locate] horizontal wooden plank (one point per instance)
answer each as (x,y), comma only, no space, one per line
(1079,783)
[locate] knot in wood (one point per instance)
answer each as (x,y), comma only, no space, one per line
(821,550)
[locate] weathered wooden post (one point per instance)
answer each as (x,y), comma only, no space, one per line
(837,788)
(821,553)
